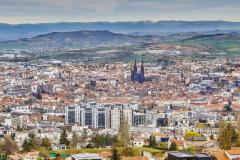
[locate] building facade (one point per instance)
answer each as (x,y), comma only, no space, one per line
(98,117)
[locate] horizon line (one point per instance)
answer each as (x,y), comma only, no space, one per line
(152,21)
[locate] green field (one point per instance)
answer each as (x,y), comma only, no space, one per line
(231,47)
(136,151)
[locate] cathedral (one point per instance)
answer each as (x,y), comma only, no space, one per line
(137,76)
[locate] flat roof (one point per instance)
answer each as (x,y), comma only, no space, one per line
(86,156)
(201,155)
(180,154)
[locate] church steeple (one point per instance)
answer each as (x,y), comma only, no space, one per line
(142,73)
(137,76)
(135,66)
(142,67)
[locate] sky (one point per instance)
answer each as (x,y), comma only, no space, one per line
(41,11)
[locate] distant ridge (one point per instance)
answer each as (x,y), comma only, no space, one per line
(77,39)
(229,36)
(13,32)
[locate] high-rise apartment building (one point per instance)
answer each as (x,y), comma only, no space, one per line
(98,117)
(93,117)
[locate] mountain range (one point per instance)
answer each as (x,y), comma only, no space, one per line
(79,40)
(105,46)
(19,31)
(95,39)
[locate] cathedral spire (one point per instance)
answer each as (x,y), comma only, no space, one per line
(135,67)
(142,73)
(137,76)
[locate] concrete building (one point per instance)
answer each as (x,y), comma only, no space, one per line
(86,156)
(93,117)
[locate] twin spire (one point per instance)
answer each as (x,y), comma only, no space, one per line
(137,76)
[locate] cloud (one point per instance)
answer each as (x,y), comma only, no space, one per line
(97,5)
(114,10)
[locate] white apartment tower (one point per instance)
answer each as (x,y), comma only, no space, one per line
(93,117)
(119,115)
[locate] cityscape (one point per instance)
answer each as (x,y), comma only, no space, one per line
(108,80)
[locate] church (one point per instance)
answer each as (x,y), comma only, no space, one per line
(137,76)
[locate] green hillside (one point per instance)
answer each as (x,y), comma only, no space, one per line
(228,43)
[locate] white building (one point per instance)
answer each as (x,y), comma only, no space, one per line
(93,116)
(98,116)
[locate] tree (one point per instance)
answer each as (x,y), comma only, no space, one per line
(173,147)
(191,150)
(123,135)
(28,145)
(128,152)
(31,135)
(152,141)
(98,140)
(221,138)
(43,153)
(115,155)
(163,145)
(108,140)
(104,140)
(46,143)
(3,156)
(234,134)
(63,138)
(31,143)
(211,137)
(227,135)
(227,108)
(74,140)
(34,141)
(9,146)
(191,134)
(238,130)
(25,145)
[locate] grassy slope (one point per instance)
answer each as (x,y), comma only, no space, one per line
(136,151)
(221,45)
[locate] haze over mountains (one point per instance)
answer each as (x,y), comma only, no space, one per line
(95,43)
(121,41)
(14,32)
(78,39)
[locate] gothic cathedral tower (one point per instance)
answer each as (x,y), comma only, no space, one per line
(135,76)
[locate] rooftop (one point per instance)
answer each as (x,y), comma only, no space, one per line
(180,154)
(86,156)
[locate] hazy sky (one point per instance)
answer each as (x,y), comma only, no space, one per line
(35,11)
